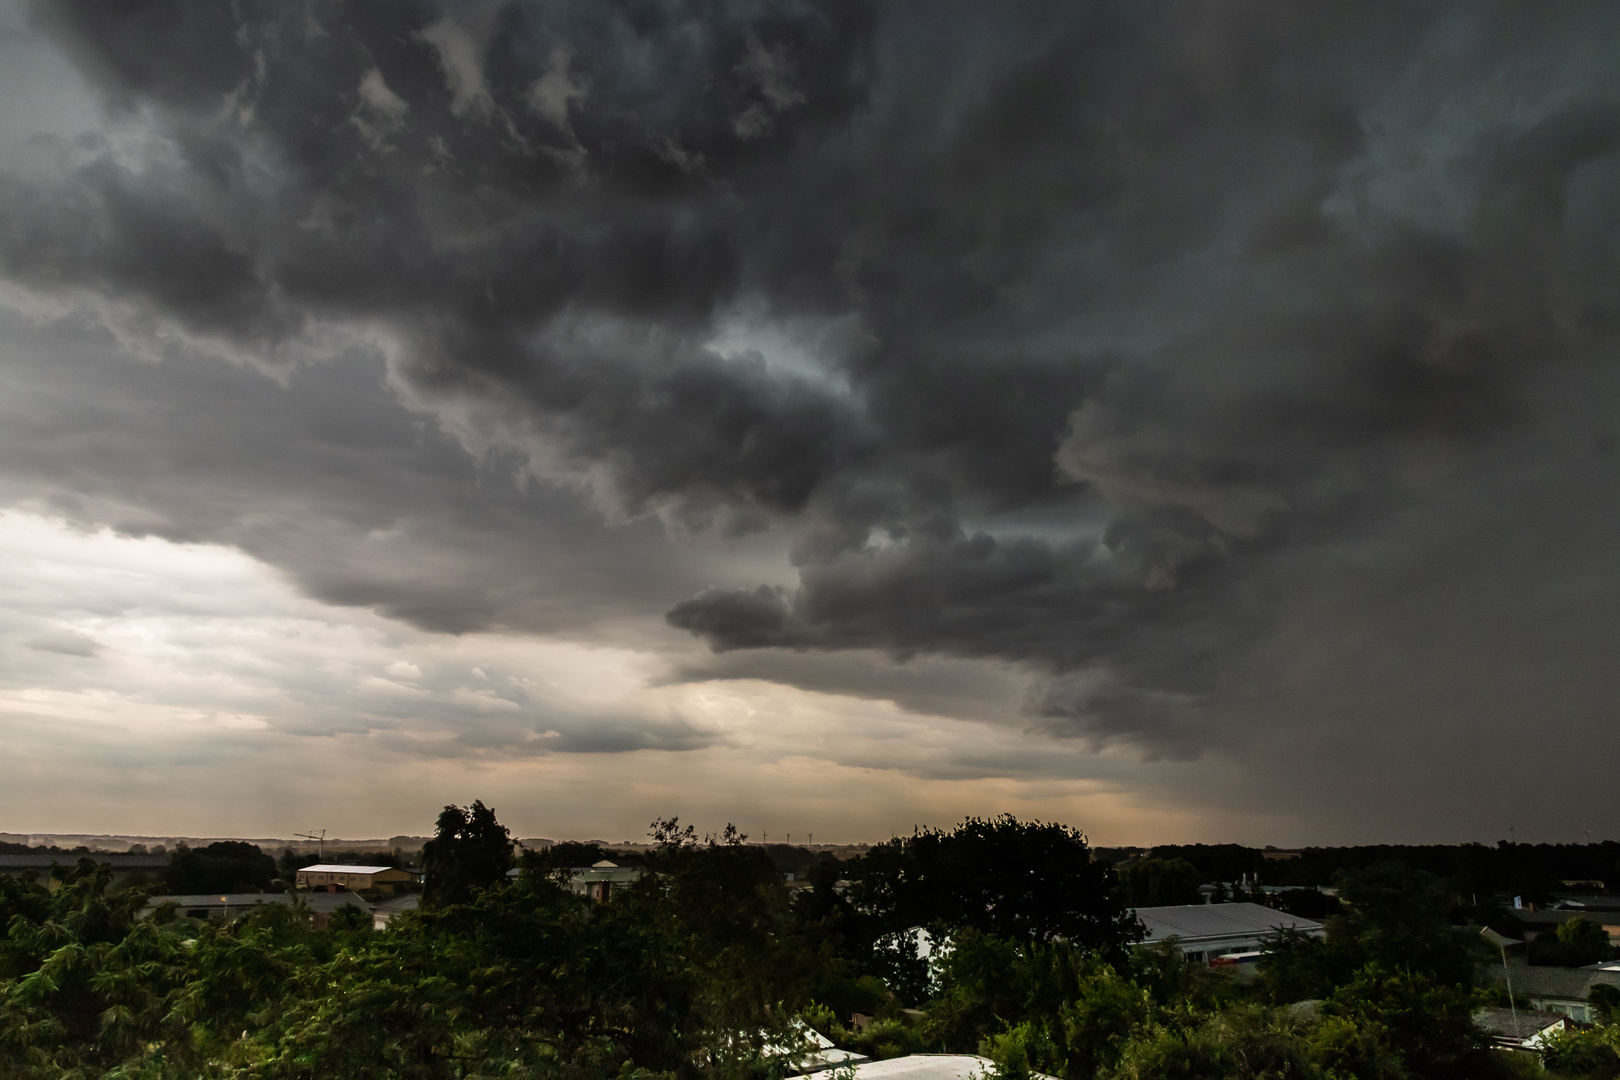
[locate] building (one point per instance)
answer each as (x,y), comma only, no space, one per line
(1560,990)
(336,877)
(218,906)
(1519,1029)
(1207,931)
(931,1067)
(228,906)
(383,911)
(598,880)
(39,863)
(1548,920)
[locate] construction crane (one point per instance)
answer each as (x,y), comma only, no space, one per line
(317,838)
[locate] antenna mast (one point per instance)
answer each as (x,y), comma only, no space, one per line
(317,838)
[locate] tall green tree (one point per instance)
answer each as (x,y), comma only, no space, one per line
(470,850)
(1153,882)
(223,866)
(1022,880)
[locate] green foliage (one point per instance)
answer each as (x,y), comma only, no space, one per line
(1393,916)
(1605,1003)
(1400,917)
(1155,882)
(1584,942)
(221,867)
(1020,1052)
(1028,880)
(1427,1024)
(697,970)
(1306,903)
(470,850)
(1592,1054)
(1244,1043)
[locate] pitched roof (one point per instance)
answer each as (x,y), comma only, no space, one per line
(1193,922)
(340,868)
(1519,1024)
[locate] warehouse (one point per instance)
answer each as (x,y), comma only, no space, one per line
(336,877)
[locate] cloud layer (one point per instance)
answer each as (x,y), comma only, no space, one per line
(1121,351)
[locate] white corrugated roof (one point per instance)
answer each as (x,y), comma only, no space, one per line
(1191,922)
(929,1067)
(339,868)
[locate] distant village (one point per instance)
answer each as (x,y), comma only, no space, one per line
(1552,934)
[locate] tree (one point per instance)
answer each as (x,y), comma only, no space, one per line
(470,850)
(1154,882)
(1400,917)
(1030,881)
(223,866)
(1583,942)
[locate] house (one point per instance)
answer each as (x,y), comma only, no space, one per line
(811,1052)
(598,880)
(1207,931)
(336,877)
(1521,1029)
(1559,990)
(1548,920)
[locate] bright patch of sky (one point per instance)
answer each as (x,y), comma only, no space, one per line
(161,680)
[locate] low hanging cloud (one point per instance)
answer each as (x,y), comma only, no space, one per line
(1082,338)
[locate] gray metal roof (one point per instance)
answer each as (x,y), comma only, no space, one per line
(118,861)
(322,903)
(1517,1024)
(1570,984)
(1559,916)
(1196,922)
(396,904)
(340,868)
(219,900)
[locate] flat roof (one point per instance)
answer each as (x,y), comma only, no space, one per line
(340,868)
(1198,922)
(324,903)
(117,860)
(193,900)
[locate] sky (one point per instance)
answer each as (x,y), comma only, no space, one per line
(1188,421)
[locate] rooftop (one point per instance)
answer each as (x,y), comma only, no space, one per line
(118,861)
(193,900)
(1575,984)
(1193,922)
(340,868)
(321,903)
(1522,1025)
(930,1067)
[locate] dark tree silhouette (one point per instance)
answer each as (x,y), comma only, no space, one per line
(469,851)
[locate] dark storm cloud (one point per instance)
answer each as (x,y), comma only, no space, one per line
(1140,301)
